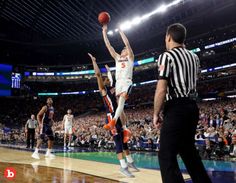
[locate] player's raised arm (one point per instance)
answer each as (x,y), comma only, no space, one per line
(107,42)
(109,75)
(101,85)
(127,45)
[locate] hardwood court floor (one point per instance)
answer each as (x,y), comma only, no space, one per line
(63,169)
(35,174)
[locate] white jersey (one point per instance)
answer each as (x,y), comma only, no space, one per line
(68,120)
(124,68)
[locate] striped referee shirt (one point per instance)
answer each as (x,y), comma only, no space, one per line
(180,68)
(32,124)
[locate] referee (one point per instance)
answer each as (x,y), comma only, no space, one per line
(30,126)
(178,71)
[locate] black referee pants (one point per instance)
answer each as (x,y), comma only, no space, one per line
(177,137)
(30,136)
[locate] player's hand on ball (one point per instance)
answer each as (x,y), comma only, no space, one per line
(157,120)
(104,28)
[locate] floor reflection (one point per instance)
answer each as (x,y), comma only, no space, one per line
(41,174)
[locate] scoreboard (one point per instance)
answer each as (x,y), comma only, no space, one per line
(5,79)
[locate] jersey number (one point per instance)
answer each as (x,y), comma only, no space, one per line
(123,65)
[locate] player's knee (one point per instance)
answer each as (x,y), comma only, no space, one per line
(42,137)
(124,95)
(118,142)
(119,148)
(51,138)
(125,146)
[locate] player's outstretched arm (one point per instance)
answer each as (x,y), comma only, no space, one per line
(107,42)
(109,75)
(127,45)
(101,85)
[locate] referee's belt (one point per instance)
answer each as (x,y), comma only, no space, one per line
(180,100)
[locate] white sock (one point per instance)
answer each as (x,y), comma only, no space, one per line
(124,127)
(120,107)
(234,150)
(123,164)
(64,144)
(49,151)
(129,158)
(36,150)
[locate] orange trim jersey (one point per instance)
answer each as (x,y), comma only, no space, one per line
(110,102)
(124,68)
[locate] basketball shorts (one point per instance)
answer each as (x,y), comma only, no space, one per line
(68,130)
(120,145)
(123,86)
(47,133)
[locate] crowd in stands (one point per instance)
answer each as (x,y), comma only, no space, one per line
(221,85)
(215,135)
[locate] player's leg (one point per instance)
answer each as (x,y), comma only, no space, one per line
(28,138)
(124,120)
(119,151)
(35,155)
(40,139)
(122,91)
(49,150)
(50,144)
(70,137)
(33,138)
(65,136)
(126,132)
(50,136)
(128,156)
(130,161)
(121,103)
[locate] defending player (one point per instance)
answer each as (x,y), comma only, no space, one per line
(108,94)
(124,75)
(67,123)
(45,120)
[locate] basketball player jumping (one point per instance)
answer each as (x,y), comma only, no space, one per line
(124,74)
(107,91)
(45,120)
(67,123)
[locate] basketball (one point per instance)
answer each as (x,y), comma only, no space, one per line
(104,18)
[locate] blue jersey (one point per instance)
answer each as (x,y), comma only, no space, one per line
(48,116)
(110,101)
